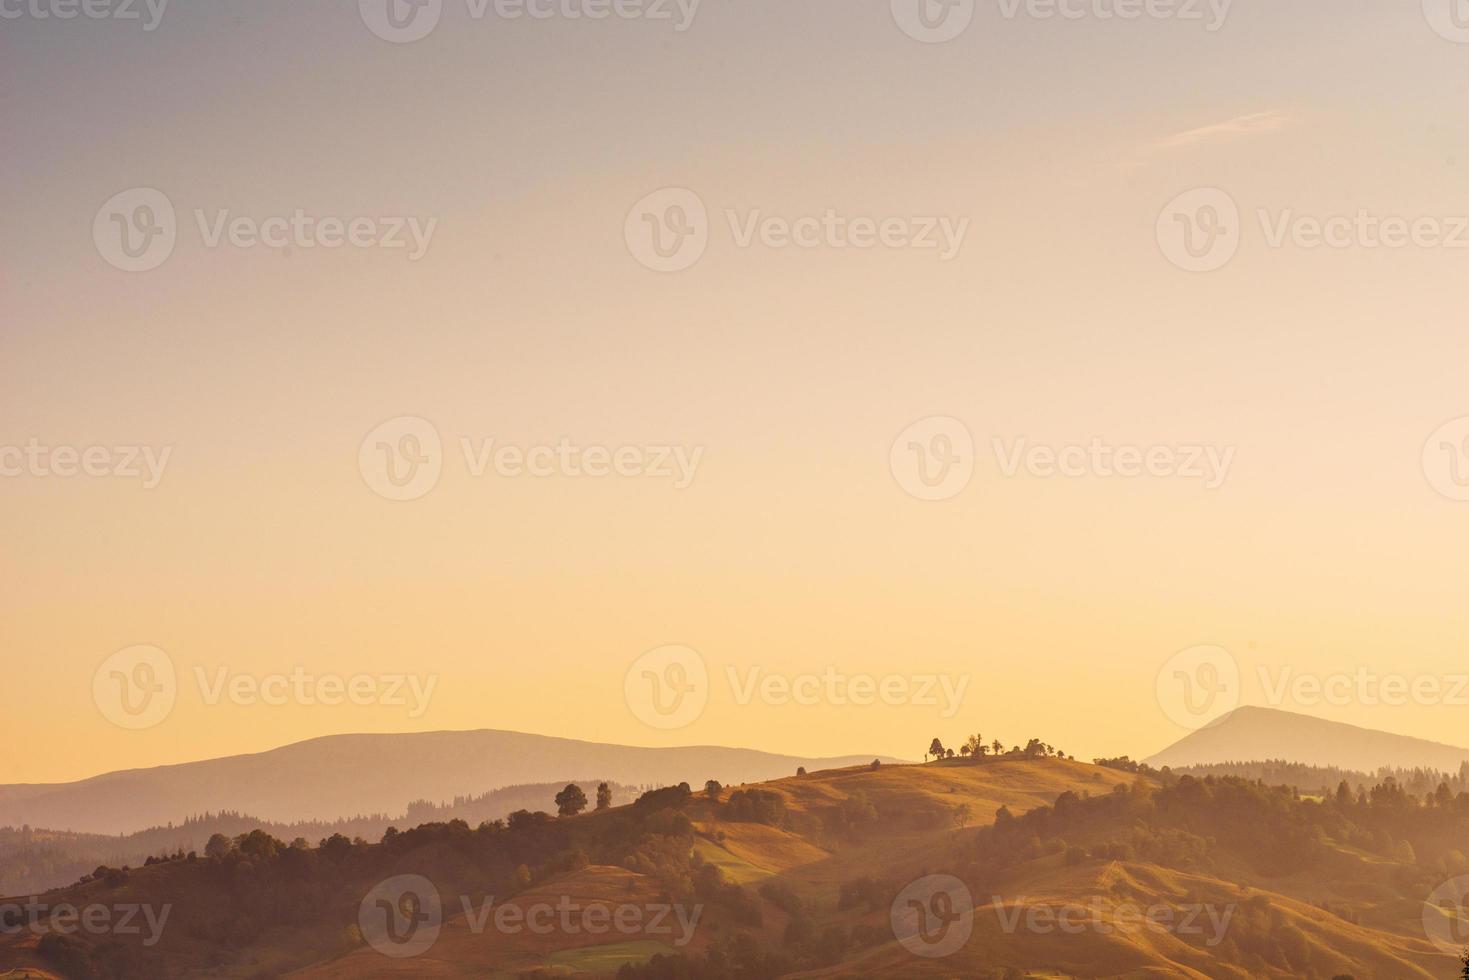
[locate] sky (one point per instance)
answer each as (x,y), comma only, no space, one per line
(871,322)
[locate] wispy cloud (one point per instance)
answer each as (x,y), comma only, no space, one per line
(1254,124)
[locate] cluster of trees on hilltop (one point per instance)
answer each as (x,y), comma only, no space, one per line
(1125,764)
(496,804)
(974,749)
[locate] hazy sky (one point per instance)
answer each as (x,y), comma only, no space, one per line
(1050,149)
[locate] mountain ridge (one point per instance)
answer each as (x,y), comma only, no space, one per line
(1254,733)
(332,777)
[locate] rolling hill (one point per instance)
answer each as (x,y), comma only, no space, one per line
(342,776)
(1251,734)
(805,876)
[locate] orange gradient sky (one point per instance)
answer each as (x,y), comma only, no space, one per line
(795,549)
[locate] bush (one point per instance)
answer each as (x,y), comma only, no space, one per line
(756,806)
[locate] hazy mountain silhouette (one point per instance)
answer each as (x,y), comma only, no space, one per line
(341,776)
(1253,733)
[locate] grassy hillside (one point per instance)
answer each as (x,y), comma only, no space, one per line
(1059,869)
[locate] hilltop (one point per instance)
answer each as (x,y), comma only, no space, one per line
(1253,734)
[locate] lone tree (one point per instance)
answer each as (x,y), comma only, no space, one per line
(935,749)
(571,801)
(604,796)
(712,788)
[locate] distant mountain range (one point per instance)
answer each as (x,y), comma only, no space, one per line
(342,776)
(1252,734)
